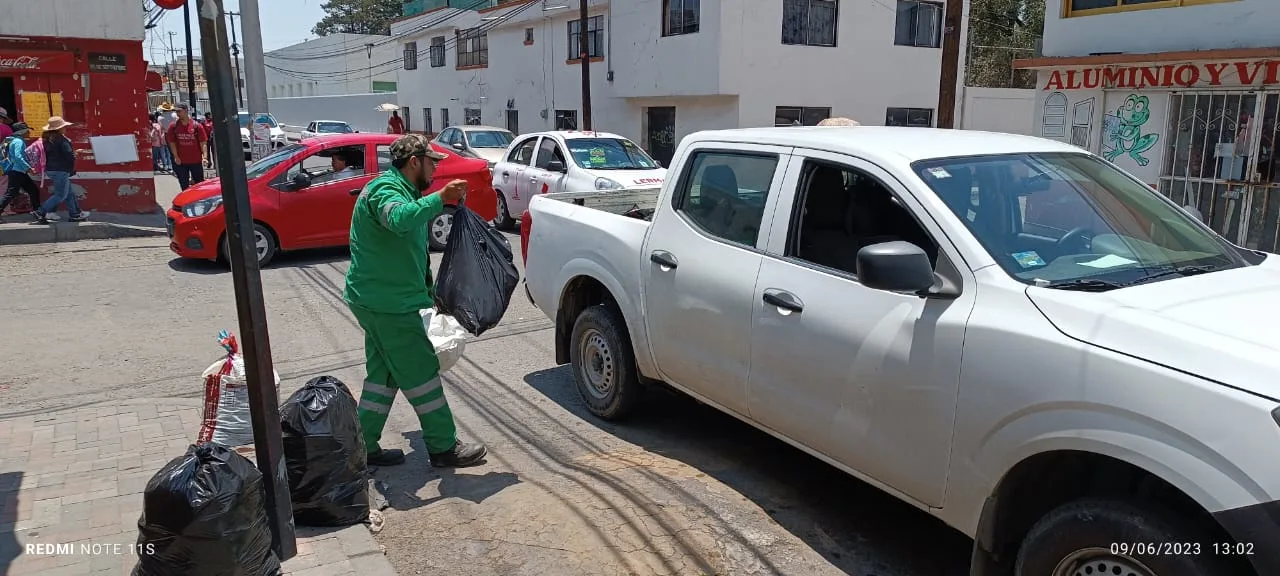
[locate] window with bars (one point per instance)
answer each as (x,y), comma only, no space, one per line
(513,121)
(680,17)
(473,48)
(444,118)
(799,115)
(809,22)
(426,121)
(528,36)
(566,119)
(595,38)
(471,116)
(919,24)
(437,52)
(912,117)
(410,55)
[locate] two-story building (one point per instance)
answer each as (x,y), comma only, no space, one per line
(1181,93)
(661,69)
(333,65)
(83,61)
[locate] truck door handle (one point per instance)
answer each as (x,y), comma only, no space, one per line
(664,258)
(783,299)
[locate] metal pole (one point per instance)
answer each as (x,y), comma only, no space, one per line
(255,69)
(264,407)
(173,70)
(191,61)
(235,55)
(584,48)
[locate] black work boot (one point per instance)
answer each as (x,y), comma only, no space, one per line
(462,454)
(384,457)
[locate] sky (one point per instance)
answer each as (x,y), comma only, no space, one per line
(284,23)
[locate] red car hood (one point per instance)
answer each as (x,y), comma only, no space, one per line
(197,192)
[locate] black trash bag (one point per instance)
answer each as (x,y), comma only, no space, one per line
(325,455)
(205,514)
(477,275)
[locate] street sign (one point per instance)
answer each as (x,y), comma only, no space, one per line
(260,140)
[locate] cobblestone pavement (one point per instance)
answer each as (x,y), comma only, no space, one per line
(75,477)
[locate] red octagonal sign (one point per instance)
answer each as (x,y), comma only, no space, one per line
(170,4)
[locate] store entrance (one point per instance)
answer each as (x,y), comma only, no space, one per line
(8,97)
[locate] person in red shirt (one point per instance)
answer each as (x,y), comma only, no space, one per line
(208,133)
(395,125)
(186,142)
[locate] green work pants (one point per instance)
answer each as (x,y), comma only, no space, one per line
(398,356)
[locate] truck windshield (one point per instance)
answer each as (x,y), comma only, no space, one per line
(267,118)
(609,154)
(333,128)
(271,161)
(489,138)
(1072,221)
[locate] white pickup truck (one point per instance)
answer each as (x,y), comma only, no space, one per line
(569,161)
(1007,332)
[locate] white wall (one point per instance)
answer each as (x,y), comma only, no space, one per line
(651,65)
(332,65)
(999,110)
(1234,24)
(104,19)
(355,109)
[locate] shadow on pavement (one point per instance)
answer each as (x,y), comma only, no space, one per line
(293,259)
(406,480)
(836,515)
(10,549)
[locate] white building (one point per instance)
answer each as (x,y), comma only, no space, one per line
(1181,93)
(662,69)
(333,65)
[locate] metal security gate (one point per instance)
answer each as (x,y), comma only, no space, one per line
(1220,160)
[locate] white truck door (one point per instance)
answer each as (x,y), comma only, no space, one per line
(864,376)
(701,259)
(509,176)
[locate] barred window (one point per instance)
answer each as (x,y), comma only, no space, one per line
(437,52)
(410,55)
(473,48)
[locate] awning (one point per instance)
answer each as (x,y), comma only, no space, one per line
(154,82)
(1147,58)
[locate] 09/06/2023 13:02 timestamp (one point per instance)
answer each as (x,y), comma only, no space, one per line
(1182,548)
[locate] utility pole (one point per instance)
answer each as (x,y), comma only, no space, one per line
(255,69)
(264,408)
(173,67)
(235,59)
(952,28)
(584,49)
(191,62)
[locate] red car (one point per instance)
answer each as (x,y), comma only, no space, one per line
(302,196)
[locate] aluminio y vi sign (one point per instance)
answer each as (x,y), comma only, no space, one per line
(1190,75)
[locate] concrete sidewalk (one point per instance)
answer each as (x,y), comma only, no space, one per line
(20,228)
(77,477)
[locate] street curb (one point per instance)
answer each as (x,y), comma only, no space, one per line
(72,231)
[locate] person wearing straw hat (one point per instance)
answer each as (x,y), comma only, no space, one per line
(59,166)
(13,161)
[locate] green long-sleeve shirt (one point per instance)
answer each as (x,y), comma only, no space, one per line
(390,270)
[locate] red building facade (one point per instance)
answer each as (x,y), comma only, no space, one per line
(100,86)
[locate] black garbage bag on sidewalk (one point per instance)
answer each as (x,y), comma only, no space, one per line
(477,274)
(205,514)
(324,454)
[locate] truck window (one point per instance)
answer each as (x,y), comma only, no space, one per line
(724,193)
(548,151)
(842,210)
(523,153)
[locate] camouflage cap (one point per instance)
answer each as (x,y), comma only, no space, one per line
(410,145)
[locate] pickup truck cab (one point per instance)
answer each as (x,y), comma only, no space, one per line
(569,161)
(1007,332)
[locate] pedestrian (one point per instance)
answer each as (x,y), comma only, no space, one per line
(158,149)
(208,133)
(186,144)
(385,292)
(839,121)
(395,125)
(5,130)
(13,161)
(60,165)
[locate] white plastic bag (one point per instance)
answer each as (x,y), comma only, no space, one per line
(226,400)
(447,335)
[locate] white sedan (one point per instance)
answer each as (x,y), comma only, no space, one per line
(569,161)
(318,127)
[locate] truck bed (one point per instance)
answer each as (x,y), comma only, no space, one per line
(637,203)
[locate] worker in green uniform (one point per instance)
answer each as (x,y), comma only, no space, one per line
(385,291)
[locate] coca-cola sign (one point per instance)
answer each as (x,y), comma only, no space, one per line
(19,62)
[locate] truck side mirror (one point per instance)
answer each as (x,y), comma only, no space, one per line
(895,267)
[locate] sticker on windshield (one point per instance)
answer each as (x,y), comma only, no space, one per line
(596,156)
(1028,259)
(1109,261)
(939,172)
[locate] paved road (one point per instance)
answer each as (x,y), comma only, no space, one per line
(681,489)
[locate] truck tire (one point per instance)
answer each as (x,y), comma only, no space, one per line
(604,365)
(1107,537)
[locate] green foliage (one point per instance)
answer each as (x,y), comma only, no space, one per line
(1001,31)
(358,16)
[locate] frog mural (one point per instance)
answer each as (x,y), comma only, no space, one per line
(1124,130)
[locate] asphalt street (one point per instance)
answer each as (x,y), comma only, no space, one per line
(679,490)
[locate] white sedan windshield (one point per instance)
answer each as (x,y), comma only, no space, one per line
(1073,221)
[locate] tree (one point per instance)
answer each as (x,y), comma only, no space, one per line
(1001,31)
(358,17)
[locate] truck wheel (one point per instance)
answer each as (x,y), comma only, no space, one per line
(439,227)
(603,363)
(504,221)
(1106,537)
